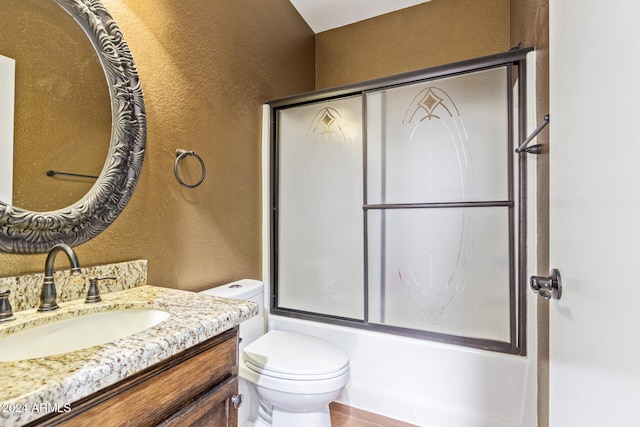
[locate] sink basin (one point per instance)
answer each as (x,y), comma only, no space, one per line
(76,333)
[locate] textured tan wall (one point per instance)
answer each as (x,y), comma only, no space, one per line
(433,33)
(530,25)
(206,68)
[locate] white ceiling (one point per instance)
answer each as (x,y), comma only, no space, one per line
(323,15)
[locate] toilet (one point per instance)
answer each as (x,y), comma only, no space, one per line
(287,379)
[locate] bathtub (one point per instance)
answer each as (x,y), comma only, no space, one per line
(430,384)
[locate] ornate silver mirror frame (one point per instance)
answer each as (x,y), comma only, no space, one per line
(23,231)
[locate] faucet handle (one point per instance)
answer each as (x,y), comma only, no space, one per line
(93,295)
(6,312)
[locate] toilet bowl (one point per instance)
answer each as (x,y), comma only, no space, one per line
(290,378)
(296,377)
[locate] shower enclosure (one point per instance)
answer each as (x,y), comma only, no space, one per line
(398,204)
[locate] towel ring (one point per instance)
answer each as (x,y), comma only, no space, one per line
(181,154)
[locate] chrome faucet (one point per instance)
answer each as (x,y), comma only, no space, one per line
(48,294)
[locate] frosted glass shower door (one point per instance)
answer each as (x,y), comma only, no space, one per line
(320,208)
(439,208)
(399,205)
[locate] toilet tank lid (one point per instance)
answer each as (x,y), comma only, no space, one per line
(241,289)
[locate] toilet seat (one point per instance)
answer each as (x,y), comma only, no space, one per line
(300,377)
(300,385)
(288,355)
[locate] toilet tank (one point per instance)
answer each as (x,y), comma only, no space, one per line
(249,290)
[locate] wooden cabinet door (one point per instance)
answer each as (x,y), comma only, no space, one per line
(214,408)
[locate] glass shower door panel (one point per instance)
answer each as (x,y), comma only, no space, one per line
(320,224)
(441,270)
(444,140)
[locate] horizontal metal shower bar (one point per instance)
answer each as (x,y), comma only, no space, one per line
(500,203)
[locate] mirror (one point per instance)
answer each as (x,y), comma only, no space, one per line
(62,107)
(32,231)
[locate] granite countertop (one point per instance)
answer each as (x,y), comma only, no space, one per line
(31,388)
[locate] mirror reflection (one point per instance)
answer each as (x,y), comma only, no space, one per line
(62,114)
(7,87)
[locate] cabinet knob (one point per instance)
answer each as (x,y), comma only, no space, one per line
(237,400)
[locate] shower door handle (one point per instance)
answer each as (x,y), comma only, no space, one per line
(548,287)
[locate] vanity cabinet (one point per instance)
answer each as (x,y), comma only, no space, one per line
(192,388)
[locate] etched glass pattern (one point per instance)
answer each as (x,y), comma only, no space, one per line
(320,208)
(439,141)
(440,270)
(443,270)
